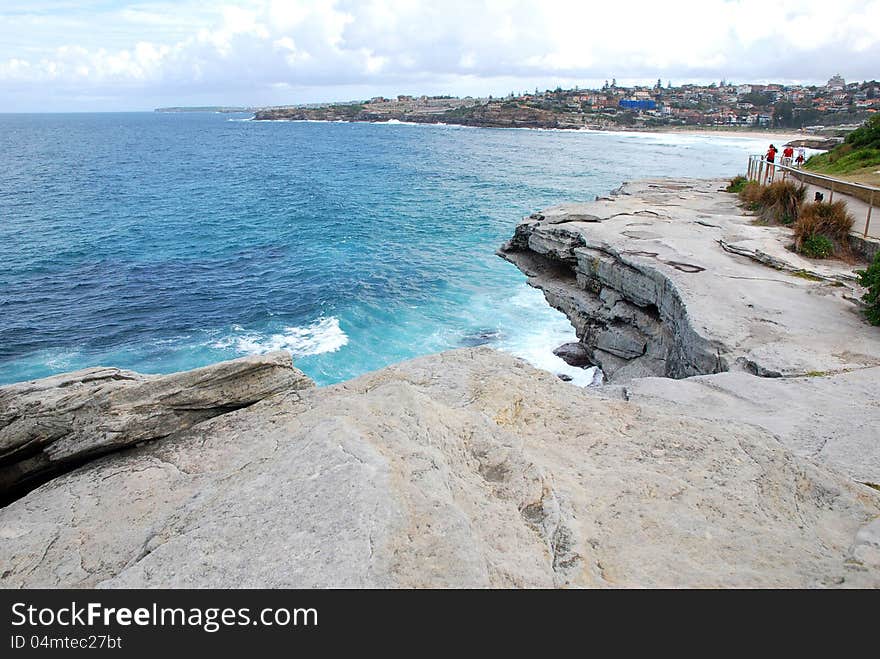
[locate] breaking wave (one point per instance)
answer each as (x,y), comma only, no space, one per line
(323,335)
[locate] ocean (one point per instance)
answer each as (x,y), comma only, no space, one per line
(163,242)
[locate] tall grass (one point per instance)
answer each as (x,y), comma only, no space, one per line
(820,218)
(777,203)
(750,194)
(845,159)
(820,229)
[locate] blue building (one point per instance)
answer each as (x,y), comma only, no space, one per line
(638,105)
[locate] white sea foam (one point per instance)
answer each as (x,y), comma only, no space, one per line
(537,349)
(535,344)
(323,335)
(397,122)
(61,360)
(308,121)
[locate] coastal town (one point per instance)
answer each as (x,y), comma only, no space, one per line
(831,108)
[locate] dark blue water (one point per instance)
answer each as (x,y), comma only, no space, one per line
(161,242)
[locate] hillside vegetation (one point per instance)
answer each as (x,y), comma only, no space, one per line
(857,159)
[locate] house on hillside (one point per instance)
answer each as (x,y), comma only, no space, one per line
(836,83)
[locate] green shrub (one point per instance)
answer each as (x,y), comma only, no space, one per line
(737,183)
(817,246)
(870,279)
(846,160)
(839,152)
(867,135)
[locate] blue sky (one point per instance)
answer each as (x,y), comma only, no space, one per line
(60,55)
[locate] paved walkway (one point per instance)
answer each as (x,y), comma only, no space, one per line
(857,207)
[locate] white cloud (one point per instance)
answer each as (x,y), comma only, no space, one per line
(259,51)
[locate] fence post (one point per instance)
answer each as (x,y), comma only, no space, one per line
(749,169)
(761,172)
(870,208)
(831,198)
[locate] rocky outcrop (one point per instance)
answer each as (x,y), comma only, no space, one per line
(490,115)
(52,425)
(573,354)
(464,469)
(669,278)
(823,143)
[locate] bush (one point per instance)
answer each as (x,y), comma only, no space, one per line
(786,199)
(845,159)
(778,202)
(824,219)
(867,135)
(817,246)
(870,279)
(737,183)
(751,195)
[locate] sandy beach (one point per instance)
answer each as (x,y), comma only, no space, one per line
(777,137)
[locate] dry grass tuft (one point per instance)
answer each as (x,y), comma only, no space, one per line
(777,203)
(830,220)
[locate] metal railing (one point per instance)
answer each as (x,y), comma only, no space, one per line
(765,172)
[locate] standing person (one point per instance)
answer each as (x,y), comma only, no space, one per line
(770,158)
(787,155)
(801,156)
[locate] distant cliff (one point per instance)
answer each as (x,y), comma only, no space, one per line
(494,114)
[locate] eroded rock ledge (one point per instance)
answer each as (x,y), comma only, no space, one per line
(669,278)
(52,425)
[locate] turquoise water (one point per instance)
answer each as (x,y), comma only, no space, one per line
(162,242)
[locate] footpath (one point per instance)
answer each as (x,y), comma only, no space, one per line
(857,208)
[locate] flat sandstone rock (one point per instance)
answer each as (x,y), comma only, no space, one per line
(464,469)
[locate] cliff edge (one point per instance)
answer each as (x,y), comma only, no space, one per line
(670,278)
(685,302)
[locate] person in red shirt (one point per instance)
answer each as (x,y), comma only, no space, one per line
(787,155)
(770,158)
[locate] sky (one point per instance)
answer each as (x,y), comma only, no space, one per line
(118,55)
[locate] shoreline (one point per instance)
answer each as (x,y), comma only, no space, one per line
(776,136)
(703,131)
